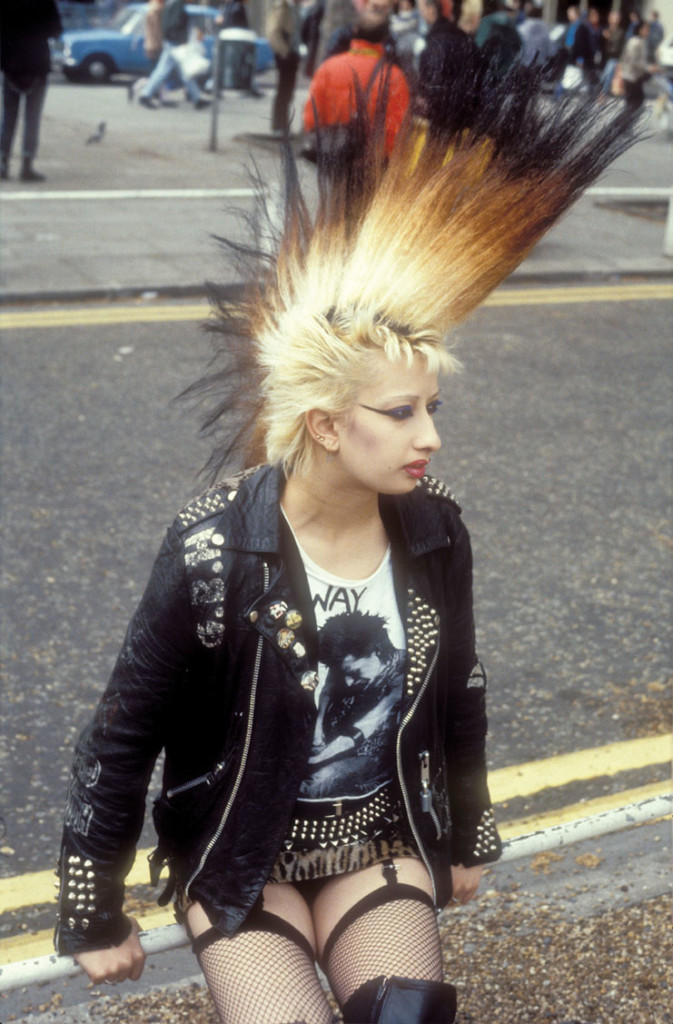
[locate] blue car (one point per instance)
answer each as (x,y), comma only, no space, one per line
(96,54)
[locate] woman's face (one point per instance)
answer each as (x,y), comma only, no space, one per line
(387,438)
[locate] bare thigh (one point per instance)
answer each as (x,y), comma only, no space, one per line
(281,899)
(344,891)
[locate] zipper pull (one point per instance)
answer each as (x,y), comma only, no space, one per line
(426,795)
(212,775)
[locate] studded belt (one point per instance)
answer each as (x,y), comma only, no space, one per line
(339,822)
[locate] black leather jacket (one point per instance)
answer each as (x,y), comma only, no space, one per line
(202,675)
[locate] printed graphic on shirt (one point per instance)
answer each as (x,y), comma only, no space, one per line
(361,675)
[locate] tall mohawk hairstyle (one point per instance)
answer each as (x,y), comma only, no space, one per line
(397,251)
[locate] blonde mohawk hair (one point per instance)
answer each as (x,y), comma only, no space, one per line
(396,253)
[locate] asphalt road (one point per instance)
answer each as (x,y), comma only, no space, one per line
(556,440)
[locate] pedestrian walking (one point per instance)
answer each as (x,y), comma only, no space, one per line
(175,36)
(26,26)
(304,652)
(635,67)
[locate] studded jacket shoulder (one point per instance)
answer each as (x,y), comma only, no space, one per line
(201,676)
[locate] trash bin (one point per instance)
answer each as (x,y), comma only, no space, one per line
(237,58)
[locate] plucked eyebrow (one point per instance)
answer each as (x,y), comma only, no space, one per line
(402,399)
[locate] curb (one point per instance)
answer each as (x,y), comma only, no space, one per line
(115,294)
(203,290)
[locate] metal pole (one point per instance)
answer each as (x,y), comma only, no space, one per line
(668,234)
(53,966)
(172,936)
(587,828)
(214,108)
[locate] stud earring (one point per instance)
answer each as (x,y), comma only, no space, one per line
(319,438)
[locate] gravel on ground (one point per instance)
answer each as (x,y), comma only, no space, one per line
(512,959)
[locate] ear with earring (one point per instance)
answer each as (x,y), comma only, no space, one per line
(318,421)
(327,445)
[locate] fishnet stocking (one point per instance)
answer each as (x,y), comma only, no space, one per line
(397,937)
(258,977)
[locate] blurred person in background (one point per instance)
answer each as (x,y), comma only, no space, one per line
(633,25)
(311,23)
(365,69)
(497,32)
(537,47)
(340,40)
(337,15)
(175,33)
(232,15)
(26,26)
(636,68)
(284,34)
(405,26)
(470,17)
(446,49)
(586,48)
(154,39)
(655,36)
(310,35)
(613,44)
(573,16)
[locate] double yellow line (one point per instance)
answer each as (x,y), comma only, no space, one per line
(506,784)
(104,315)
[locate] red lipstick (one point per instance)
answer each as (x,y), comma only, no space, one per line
(416,469)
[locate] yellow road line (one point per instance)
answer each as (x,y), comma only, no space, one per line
(103,315)
(41,319)
(572,812)
(40,886)
(505,783)
(512,296)
(25,947)
(534,776)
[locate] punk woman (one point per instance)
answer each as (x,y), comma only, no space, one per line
(304,654)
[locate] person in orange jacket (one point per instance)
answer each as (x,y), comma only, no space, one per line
(332,97)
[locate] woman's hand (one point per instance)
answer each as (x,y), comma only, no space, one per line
(465,882)
(116,963)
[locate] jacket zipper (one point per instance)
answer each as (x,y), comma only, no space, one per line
(398,750)
(426,792)
(244,757)
(206,779)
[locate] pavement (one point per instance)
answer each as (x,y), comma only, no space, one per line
(70,239)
